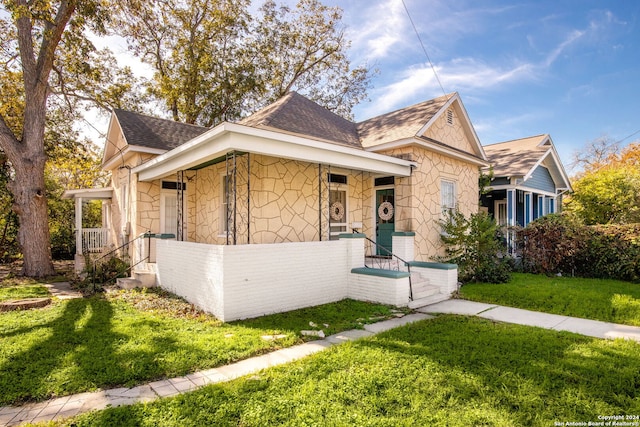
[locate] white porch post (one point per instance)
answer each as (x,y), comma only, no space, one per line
(79,225)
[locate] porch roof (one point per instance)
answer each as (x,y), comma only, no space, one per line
(89,193)
(229,137)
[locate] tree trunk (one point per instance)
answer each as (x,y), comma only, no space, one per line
(30,203)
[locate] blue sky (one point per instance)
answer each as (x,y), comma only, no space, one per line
(567,68)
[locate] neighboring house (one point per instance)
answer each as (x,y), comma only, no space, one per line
(528,181)
(273,213)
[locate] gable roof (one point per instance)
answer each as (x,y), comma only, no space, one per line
(296,115)
(299,115)
(520,157)
(400,124)
(152,132)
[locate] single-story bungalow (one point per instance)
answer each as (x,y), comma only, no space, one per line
(291,206)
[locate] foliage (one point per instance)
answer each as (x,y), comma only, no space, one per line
(126,338)
(448,371)
(600,299)
(45,50)
(549,244)
(561,244)
(608,192)
(215,61)
(103,271)
(475,244)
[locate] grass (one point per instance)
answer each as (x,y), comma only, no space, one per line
(22,291)
(452,370)
(607,300)
(132,337)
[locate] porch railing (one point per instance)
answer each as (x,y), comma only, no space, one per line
(94,239)
(377,256)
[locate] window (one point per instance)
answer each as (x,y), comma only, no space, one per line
(447,196)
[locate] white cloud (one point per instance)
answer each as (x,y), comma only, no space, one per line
(574,36)
(379,28)
(461,74)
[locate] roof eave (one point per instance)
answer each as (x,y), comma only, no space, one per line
(218,141)
(441,149)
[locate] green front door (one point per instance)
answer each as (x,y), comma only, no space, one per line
(385,220)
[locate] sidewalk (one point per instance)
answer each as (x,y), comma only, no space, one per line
(590,328)
(69,406)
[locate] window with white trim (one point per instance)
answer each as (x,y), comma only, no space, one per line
(447,196)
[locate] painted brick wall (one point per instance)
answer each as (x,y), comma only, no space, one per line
(192,271)
(382,290)
(271,278)
(236,282)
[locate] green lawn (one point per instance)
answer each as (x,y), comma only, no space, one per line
(19,289)
(607,300)
(452,370)
(133,337)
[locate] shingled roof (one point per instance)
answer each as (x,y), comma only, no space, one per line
(400,124)
(153,132)
(517,157)
(296,114)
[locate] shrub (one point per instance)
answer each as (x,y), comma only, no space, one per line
(476,246)
(105,271)
(560,244)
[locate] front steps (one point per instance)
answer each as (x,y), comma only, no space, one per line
(424,293)
(144,277)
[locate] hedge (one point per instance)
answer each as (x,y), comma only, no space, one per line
(559,244)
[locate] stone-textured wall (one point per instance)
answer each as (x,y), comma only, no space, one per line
(451,134)
(284,201)
(418,198)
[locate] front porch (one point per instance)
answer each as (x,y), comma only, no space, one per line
(242,281)
(94,239)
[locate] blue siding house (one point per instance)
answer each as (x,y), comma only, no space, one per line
(528,182)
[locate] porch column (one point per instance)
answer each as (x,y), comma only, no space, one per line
(403,246)
(78,225)
(511,207)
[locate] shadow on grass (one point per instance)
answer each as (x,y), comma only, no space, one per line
(526,371)
(450,370)
(74,351)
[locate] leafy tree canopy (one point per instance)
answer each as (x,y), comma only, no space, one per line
(608,191)
(215,62)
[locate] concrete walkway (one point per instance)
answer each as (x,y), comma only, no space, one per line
(590,328)
(62,290)
(69,406)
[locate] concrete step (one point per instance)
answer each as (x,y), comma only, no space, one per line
(128,283)
(147,278)
(424,290)
(417,303)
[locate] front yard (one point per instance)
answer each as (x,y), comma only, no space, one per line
(452,370)
(132,337)
(599,299)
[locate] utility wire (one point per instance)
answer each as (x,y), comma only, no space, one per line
(627,137)
(424,49)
